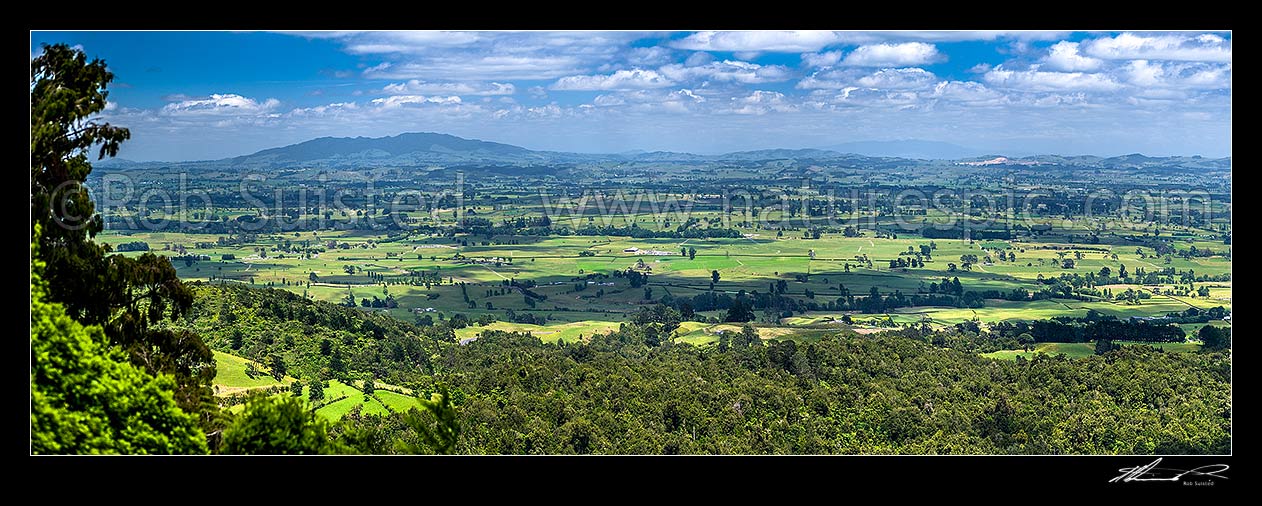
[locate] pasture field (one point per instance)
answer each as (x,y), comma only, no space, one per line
(339,398)
(1079,350)
(743,264)
(231,377)
(577,288)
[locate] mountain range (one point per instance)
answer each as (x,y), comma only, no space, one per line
(434,149)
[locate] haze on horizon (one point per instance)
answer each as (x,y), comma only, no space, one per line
(211,95)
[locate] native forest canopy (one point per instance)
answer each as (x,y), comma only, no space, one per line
(426,293)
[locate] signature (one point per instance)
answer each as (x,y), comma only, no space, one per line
(1151,472)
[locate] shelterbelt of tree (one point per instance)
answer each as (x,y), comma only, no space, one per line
(631,391)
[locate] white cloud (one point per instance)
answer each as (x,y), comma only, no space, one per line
(334,108)
(1181,47)
(898,78)
(1064,56)
(648,56)
(489,56)
(402,100)
(228,104)
(1038,80)
(1149,74)
(458,68)
(760,41)
(727,71)
(893,55)
(967,35)
(761,102)
(698,58)
(885,79)
(968,92)
(416,86)
(678,101)
(620,80)
(827,59)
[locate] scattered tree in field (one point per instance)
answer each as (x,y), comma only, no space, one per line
(277,366)
(1103,346)
(315,391)
(1214,338)
(740,311)
(692,253)
(714,276)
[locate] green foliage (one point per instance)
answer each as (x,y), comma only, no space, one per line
(739,312)
(316,391)
(1215,338)
(277,425)
(126,296)
(312,339)
(436,423)
(843,394)
(277,366)
(86,397)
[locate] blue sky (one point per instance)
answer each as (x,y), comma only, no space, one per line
(206,95)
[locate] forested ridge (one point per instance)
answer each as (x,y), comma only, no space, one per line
(845,393)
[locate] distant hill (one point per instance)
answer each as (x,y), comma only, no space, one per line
(402,149)
(909,148)
(427,149)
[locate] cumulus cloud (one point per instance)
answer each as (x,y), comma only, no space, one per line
(1064,56)
(487,56)
(968,92)
(898,78)
(1038,80)
(416,86)
(761,102)
(727,71)
(1179,47)
(334,108)
(981,35)
(677,101)
(227,104)
(620,80)
(760,41)
(893,55)
(404,100)
(648,56)
(457,68)
(698,58)
(887,79)
(1177,75)
(827,59)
